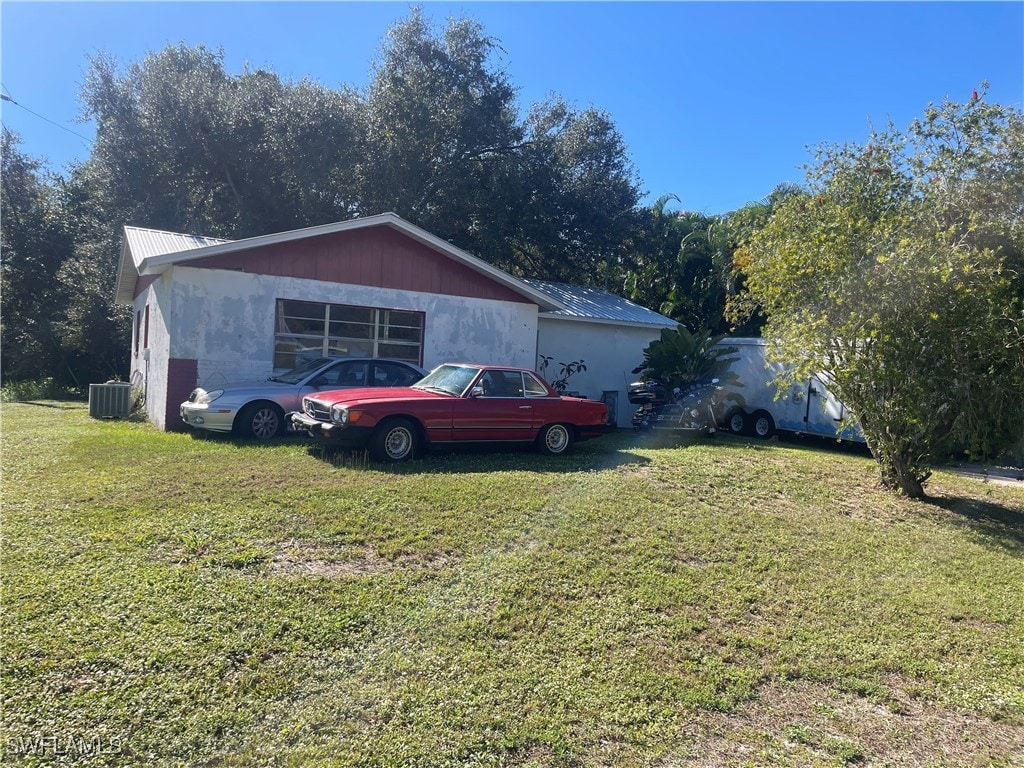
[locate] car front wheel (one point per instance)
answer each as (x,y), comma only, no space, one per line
(554,439)
(260,420)
(393,441)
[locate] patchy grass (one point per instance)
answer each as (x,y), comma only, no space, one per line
(179,600)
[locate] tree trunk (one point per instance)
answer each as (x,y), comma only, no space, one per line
(898,472)
(907,480)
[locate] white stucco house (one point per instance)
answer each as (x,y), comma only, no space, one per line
(209,312)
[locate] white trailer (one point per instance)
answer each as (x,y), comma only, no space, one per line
(755,406)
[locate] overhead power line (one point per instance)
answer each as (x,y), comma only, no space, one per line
(5,97)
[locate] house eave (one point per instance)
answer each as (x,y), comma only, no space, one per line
(605,321)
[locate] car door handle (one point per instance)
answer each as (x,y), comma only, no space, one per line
(525,407)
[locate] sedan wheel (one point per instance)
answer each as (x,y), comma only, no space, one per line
(393,441)
(261,420)
(554,439)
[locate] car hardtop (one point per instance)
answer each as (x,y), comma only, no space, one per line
(368,395)
(482,368)
(303,374)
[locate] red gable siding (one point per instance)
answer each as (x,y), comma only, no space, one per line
(376,256)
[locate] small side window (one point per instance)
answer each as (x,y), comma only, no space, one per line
(138,331)
(349,374)
(532,387)
(393,375)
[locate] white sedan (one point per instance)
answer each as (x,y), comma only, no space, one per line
(257,409)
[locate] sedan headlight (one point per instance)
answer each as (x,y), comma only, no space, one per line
(203,397)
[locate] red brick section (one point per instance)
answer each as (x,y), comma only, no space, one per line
(377,256)
(182,377)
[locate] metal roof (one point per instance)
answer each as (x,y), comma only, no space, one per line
(141,244)
(583,303)
(146,243)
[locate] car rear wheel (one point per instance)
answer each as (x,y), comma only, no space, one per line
(393,440)
(261,421)
(554,439)
(763,425)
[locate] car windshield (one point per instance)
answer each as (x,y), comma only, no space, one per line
(295,375)
(450,379)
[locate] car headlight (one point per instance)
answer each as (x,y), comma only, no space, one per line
(203,397)
(341,414)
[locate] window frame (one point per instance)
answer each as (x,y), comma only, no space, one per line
(323,344)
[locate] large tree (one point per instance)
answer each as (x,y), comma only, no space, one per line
(36,238)
(899,273)
(679,265)
(548,196)
(182,145)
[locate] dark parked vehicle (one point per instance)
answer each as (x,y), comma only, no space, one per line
(688,410)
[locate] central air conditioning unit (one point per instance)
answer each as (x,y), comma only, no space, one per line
(112,400)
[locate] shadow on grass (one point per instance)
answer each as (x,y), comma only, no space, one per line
(56,405)
(234,441)
(483,459)
(730,441)
(999,524)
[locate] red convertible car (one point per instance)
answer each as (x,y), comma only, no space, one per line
(453,404)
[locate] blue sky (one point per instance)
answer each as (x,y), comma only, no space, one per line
(718,101)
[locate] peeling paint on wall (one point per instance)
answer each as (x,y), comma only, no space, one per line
(225,320)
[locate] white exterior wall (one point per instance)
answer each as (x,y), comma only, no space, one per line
(149,365)
(610,352)
(225,320)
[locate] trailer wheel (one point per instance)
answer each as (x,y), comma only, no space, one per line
(763,425)
(737,422)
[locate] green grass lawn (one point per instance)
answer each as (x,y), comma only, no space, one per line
(178,600)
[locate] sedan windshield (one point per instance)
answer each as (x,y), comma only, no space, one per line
(295,375)
(450,379)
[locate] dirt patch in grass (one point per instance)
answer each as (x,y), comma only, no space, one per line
(315,559)
(807,723)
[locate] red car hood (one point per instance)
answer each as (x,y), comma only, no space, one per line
(375,395)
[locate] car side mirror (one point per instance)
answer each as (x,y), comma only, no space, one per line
(476,392)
